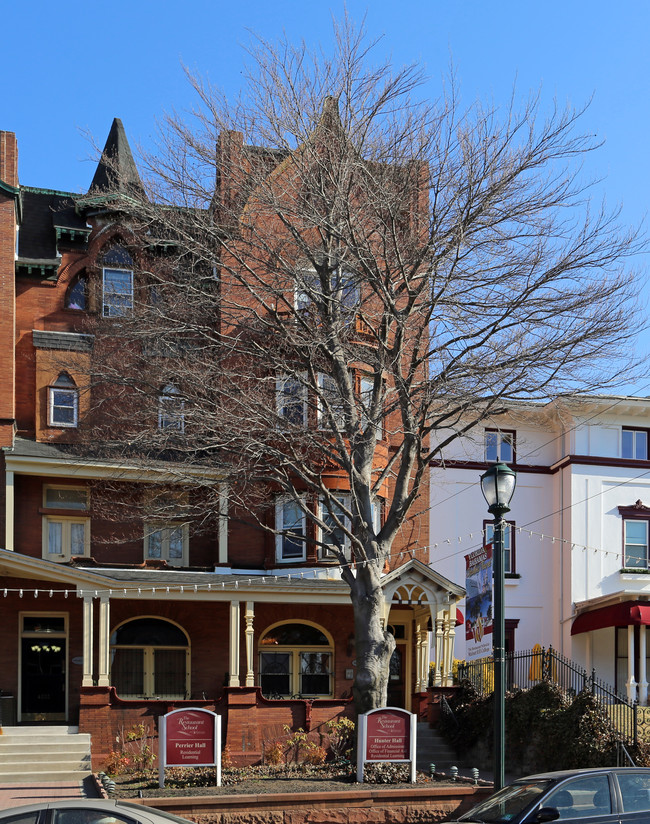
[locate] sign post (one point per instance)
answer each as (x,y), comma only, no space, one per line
(386,734)
(189,738)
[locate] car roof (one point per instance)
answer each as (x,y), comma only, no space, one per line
(558,775)
(99,803)
(131,806)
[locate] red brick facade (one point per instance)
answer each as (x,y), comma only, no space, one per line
(75,607)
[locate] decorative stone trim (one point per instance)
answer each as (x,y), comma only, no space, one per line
(67,341)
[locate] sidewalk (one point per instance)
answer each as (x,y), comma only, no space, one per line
(15,795)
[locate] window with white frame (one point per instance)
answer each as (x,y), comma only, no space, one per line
(296,659)
(65,536)
(171,410)
(332,534)
(63,402)
(58,496)
(167,542)
(634,444)
(635,543)
(336,520)
(499,445)
(343,290)
(330,405)
(291,528)
(291,400)
(508,543)
(117,283)
(365,388)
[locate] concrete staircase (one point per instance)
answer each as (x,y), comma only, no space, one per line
(43,754)
(433,749)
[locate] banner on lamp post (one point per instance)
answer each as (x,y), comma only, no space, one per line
(478,603)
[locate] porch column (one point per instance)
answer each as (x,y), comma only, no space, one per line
(452,644)
(249,616)
(643,676)
(418,657)
(447,647)
(104,641)
(223,524)
(87,677)
(9,510)
(630,683)
(234,644)
(439,651)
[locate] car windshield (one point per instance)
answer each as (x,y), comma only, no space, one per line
(508,802)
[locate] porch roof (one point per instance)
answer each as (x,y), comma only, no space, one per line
(192,585)
(626,613)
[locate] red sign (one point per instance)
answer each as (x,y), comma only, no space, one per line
(388,735)
(190,738)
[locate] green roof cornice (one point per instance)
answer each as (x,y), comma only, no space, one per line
(37,190)
(67,233)
(46,269)
(13,191)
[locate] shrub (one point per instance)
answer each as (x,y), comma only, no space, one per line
(274,753)
(341,734)
(133,752)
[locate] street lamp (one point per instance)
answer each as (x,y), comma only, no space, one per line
(498,486)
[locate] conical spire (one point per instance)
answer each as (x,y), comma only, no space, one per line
(116,168)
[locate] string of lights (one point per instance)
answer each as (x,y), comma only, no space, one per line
(294,577)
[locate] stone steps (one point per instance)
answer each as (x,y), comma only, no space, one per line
(433,749)
(44,754)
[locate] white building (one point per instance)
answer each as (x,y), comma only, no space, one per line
(577,555)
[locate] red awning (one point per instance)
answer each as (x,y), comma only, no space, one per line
(459,618)
(617,615)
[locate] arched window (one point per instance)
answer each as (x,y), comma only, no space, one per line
(150,658)
(296,659)
(63,402)
(77,295)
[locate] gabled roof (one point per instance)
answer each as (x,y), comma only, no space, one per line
(416,573)
(116,168)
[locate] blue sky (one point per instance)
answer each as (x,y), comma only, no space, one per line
(73,66)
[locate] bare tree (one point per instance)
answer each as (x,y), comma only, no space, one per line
(337,280)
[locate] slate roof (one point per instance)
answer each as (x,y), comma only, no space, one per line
(43,211)
(116,168)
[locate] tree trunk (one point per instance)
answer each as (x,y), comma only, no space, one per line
(374,644)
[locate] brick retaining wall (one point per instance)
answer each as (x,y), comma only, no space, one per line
(363,806)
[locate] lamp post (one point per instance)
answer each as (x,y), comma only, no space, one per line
(498,486)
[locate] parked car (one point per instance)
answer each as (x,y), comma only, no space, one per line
(603,795)
(87,811)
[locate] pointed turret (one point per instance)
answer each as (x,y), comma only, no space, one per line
(116,168)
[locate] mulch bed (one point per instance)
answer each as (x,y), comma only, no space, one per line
(250,783)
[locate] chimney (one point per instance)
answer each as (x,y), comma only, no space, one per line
(9,176)
(8,159)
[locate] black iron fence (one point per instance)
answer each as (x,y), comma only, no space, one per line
(526,668)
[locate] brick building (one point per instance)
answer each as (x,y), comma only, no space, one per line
(108,623)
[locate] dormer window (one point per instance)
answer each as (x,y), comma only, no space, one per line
(117,283)
(63,402)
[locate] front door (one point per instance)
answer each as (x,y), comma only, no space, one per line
(43,678)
